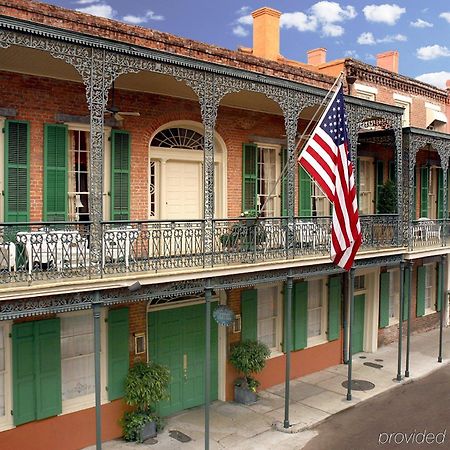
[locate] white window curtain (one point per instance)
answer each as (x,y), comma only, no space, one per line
(315,306)
(77,356)
(2,370)
(267,316)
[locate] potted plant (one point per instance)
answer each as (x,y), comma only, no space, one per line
(145,385)
(248,357)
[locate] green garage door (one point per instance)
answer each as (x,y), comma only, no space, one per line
(177,340)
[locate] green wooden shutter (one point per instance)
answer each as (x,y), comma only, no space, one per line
(120,175)
(334,308)
(118,352)
(440,199)
(379,167)
(23,358)
(300,315)
(406,294)
(424,192)
(17,171)
(284,189)
(304,194)
(415,193)
(48,368)
(249,315)
(384,299)
(420,300)
(250,178)
(55,172)
(439,287)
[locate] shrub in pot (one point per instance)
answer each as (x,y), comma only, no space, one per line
(248,357)
(145,385)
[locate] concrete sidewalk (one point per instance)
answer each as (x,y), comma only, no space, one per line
(313,398)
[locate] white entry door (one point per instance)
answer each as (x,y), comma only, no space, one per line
(184,192)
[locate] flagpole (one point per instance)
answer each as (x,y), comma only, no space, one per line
(351,278)
(305,133)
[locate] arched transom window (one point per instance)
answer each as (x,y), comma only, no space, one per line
(178,138)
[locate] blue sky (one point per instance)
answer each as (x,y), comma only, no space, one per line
(420,30)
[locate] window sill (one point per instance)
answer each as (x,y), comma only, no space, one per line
(78,404)
(319,340)
(429,311)
(6,425)
(275,354)
(393,322)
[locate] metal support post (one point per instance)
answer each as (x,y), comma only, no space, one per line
(208,295)
(443,304)
(345,323)
(351,287)
(400,321)
(97,306)
(408,329)
(288,345)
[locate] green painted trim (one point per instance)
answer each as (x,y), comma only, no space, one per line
(6,165)
(45,168)
(248,177)
(384,299)
(115,133)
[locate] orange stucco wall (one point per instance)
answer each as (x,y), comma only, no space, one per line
(303,362)
(67,432)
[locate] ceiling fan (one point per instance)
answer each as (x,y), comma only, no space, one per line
(115,111)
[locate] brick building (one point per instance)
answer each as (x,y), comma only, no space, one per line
(129,157)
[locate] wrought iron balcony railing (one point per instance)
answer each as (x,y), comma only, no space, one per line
(39,251)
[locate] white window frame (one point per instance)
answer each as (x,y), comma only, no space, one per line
(394,273)
(278,289)
(430,271)
(366,92)
(404,102)
(107,142)
(276,194)
(323,337)
(371,205)
(6,421)
(88,401)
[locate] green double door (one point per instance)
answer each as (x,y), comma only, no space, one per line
(177,340)
(358,324)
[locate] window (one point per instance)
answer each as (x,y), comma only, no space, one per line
(77,356)
(366,185)
(268,315)
(435,118)
(78,175)
(394,296)
(430,287)
(365,92)
(360,282)
(316,312)
(404,102)
(267,186)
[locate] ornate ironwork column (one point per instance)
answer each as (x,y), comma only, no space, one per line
(97,95)
(444,156)
(209,99)
(402,229)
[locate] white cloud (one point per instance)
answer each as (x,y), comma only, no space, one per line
(299,21)
(102,10)
(245,20)
(243,10)
(419,23)
(438,79)
(137,20)
(432,52)
(385,13)
(240,31)
(393,38)
(366,39)
(445,16)
(331,29)
(86,2)
(351,54)
(331,12)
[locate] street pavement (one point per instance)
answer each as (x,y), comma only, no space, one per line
(320,398)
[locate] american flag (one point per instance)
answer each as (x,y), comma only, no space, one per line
(327,159)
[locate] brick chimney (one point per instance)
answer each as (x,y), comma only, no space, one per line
(388,61)
(266,33)
(447,85)
(317,56)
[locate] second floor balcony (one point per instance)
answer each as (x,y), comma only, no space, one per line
(33,252)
